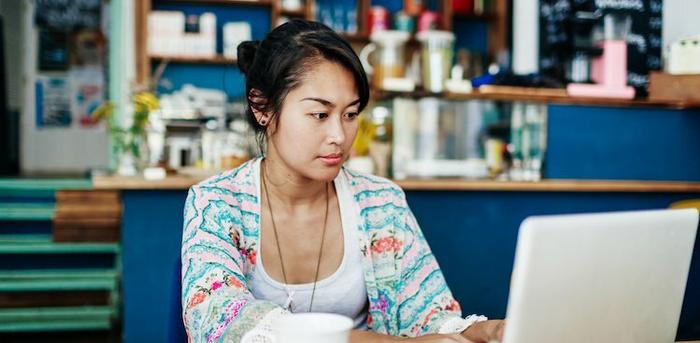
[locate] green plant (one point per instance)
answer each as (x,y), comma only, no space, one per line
(128,139)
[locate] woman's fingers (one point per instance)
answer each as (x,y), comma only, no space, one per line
(500,326)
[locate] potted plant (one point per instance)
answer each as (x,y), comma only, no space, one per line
(127,141)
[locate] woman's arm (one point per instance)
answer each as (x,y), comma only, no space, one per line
(426,305)
(217,303)
(422,279)
(483,332)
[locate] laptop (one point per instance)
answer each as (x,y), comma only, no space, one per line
(597,278)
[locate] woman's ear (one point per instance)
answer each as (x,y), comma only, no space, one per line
(258,101)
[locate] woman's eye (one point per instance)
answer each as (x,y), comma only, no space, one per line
(320,115)
(352,115)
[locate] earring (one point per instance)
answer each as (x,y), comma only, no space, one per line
(263,122)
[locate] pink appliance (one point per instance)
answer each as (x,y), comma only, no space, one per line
(608,71)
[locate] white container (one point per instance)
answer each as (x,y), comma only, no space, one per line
(684,56)
(207,35)
(234,34)
(165,32)
(388,61)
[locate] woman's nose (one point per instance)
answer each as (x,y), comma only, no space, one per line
(336,131)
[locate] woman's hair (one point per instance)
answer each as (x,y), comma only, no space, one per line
(277,64)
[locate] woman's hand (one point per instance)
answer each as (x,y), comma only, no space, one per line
(483,332)
(358,336)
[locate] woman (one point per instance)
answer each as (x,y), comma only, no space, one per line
(295,231)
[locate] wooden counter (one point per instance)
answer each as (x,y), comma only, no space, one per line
(138,182)
(184,182)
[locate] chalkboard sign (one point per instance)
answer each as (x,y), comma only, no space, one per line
(68,15)
(643,42)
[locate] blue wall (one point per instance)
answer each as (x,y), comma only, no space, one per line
(223,77)
(471,35)
(623,143)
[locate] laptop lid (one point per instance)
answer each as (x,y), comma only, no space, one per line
(609,277)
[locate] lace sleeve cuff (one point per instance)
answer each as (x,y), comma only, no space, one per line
(263,331)
(458,324)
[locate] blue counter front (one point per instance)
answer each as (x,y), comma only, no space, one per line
(472,233)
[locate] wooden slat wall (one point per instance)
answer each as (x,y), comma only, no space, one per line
(87,216)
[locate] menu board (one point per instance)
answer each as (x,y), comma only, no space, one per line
(643,42)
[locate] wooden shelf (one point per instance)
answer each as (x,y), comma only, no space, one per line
(300,13)
(194,60)
(138,182)
(355,37)
(569,100)
(184,182)
(549,96)
(265,3)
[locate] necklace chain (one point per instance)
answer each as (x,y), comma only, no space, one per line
(279,249)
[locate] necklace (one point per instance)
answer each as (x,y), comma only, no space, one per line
(290,294)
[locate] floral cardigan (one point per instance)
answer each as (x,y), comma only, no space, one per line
(407,292)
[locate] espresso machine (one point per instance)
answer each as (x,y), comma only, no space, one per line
(609,70)
(583,49)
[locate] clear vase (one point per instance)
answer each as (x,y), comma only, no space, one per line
(126,164)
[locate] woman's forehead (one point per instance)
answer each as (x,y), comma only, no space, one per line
(326,80)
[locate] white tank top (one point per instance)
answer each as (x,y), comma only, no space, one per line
(343,292)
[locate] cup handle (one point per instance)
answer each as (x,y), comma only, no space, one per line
(251,335)
(364,57)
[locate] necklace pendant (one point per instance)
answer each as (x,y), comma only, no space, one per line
(290,301)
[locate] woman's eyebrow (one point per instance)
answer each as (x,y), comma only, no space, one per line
(324,102)
(327,103)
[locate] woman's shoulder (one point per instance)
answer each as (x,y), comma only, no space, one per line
(368,181)
(368,186)
(240,180)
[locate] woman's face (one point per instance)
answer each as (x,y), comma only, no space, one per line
(317,123)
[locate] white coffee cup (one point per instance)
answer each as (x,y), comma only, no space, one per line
(307,328)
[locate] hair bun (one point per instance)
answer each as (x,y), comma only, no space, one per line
(246,54)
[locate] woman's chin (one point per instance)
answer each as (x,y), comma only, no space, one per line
(326,173)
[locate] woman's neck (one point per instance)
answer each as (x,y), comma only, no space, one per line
(288,187)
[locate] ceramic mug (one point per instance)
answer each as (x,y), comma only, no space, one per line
(306,328)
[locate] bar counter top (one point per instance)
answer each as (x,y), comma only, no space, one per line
(176,182)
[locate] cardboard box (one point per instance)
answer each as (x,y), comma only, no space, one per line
(669,87)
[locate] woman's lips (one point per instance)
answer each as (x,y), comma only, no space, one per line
(332,159)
